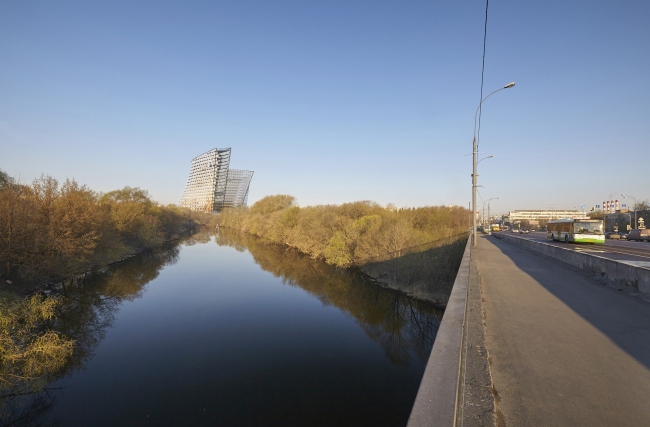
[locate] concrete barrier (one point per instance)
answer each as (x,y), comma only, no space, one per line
(635,279)
(438,399)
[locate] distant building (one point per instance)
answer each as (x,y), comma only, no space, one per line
(237,188)
(542,215)
(212,185)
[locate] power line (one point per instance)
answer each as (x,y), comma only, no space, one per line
(480,109)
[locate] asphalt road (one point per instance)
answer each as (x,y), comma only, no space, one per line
(563,348)
(619,250)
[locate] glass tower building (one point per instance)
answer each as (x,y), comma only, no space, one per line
(237,187)
(212,185)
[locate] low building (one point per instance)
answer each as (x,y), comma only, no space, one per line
(543,215)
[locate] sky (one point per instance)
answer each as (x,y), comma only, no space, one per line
(333,101)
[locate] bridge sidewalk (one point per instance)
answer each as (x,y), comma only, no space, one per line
(563,348)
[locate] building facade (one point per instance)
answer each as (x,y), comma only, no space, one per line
(212,185)
(543,215)
(239,182)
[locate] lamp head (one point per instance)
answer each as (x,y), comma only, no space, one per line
(509,85)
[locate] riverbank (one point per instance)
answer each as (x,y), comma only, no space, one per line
(51,233)
(15,290)
(351,234)
(423,272)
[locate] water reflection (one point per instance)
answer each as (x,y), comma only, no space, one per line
(88,309)
(90,303)
(401,325)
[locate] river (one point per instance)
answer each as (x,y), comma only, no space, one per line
(223,330)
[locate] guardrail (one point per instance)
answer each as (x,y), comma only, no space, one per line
(438,400)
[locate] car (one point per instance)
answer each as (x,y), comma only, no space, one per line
(523,231)
(639,235)
(623,235)
(612,235)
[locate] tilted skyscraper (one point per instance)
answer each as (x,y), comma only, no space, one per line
(212,185)
(237,187)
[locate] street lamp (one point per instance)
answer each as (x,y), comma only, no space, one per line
(489,210)
(488,202)
(488,157)
(474,164)
(630,197)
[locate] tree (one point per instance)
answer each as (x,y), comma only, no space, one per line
(270,204)
(64,223)
(5,179)
(643,205)
(15,229)
(127,194)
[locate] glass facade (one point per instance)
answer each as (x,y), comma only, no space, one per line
(237,187)
(212,185)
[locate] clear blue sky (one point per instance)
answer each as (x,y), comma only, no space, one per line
(332,101)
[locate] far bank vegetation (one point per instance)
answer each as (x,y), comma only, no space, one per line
(351,234)
(51,232)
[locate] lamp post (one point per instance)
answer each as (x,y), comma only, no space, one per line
(474,242)
(489,210)
(630,197)
(488,157)
(488,202)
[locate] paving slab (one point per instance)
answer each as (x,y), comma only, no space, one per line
(563,348)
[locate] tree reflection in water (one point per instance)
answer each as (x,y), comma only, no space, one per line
(88,309)
(400,324)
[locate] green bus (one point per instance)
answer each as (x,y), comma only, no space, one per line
(581,230)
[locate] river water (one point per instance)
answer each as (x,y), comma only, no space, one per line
(223,330)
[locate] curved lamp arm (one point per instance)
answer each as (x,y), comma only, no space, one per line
(479,105)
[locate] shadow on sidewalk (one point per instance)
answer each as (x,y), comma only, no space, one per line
(623,318)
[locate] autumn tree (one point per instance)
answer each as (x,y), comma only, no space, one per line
(5,178)
(270,204)
(348,234)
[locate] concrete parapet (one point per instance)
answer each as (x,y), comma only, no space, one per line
(636,279)
(438,398)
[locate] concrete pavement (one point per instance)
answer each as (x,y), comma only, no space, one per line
(563,348)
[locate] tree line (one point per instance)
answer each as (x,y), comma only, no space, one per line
(351,234)
(50,232)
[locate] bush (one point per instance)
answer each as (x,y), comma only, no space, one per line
(345,235)
(49,233)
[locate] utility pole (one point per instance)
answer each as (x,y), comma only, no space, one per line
(474,241)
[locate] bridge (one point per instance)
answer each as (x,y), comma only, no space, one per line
(542,333)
